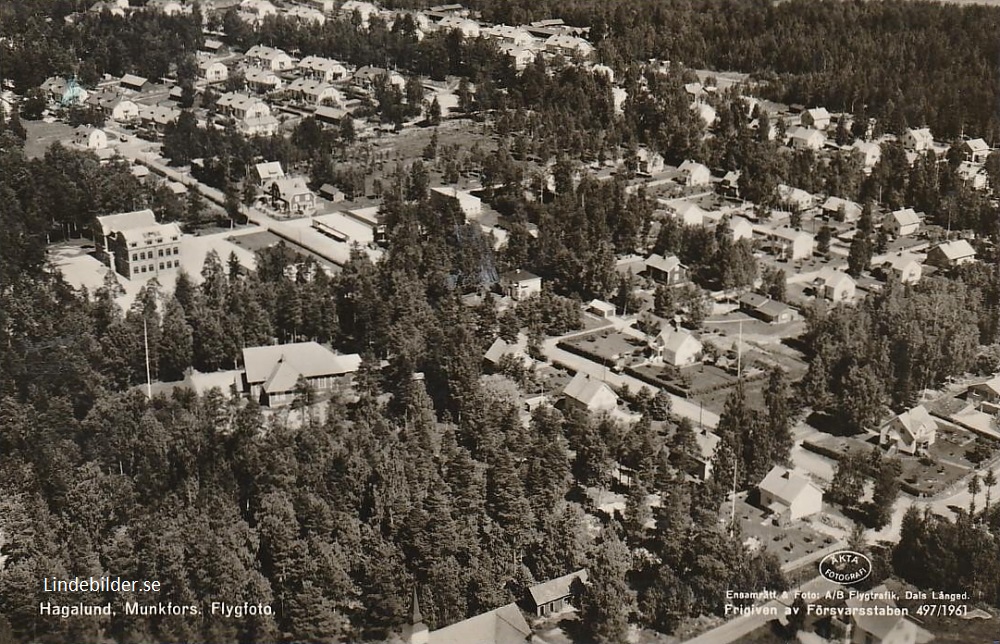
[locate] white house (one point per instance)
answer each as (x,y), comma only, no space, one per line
(790,495)
(520,285)
(870,152)
(792,244)
(365,10)
(268,171)
(263,80)
(91,138)
(842,209)
(976,150)
(805,138)
(677,347)
(322,69)
(600,308)
(740,228)
(252,115)
(835,285)
(305,14)
(315,92)
(691,214)
(973,174)
(520,55)
(795,198)
(125,111)
(905,266)
(213,71)
(917,140)
(271,373)
(589,394)
(269,58)
(903,222)
(649,162)
(695,174)
(911,432)
(468,28)
(705,111)
(817,118)
(568,45)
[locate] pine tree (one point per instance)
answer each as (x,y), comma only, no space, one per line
(176,342)
(607,602)
(777,400)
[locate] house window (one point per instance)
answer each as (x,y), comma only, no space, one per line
(161,266)
(142,255)
(160,253)
(177,250)
(135,257)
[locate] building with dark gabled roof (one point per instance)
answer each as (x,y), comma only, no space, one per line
(554,595)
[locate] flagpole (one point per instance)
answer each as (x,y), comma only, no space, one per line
(145,342)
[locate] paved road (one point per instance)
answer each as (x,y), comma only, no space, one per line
(680,406)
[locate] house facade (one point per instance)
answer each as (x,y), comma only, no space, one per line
(676,347)
(292,196)
(136,246)
(911,432)
(903,222)
(520,285)
(271,373)
(584,393)
(555,595)
(951,254)
(666,270)
(836,286)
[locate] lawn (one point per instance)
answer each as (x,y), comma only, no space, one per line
(608,347)
(788,542)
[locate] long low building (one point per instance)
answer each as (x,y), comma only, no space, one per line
(271,373)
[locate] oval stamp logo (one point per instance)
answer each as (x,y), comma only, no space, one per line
(845,567)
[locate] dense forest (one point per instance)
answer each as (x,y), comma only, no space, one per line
(905,63)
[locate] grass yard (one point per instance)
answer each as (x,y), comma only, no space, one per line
(788,543)
(609,346)
(41,135)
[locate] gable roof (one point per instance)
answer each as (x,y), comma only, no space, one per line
(851,208)
(587,390)
(270,170)
(956,249)
(661,263)
(309,359)
(977,145)
(557,588)
(917,422)
(833,277)
(906,217)
(504,625)
(133,81)
(785,485)
(674,340)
